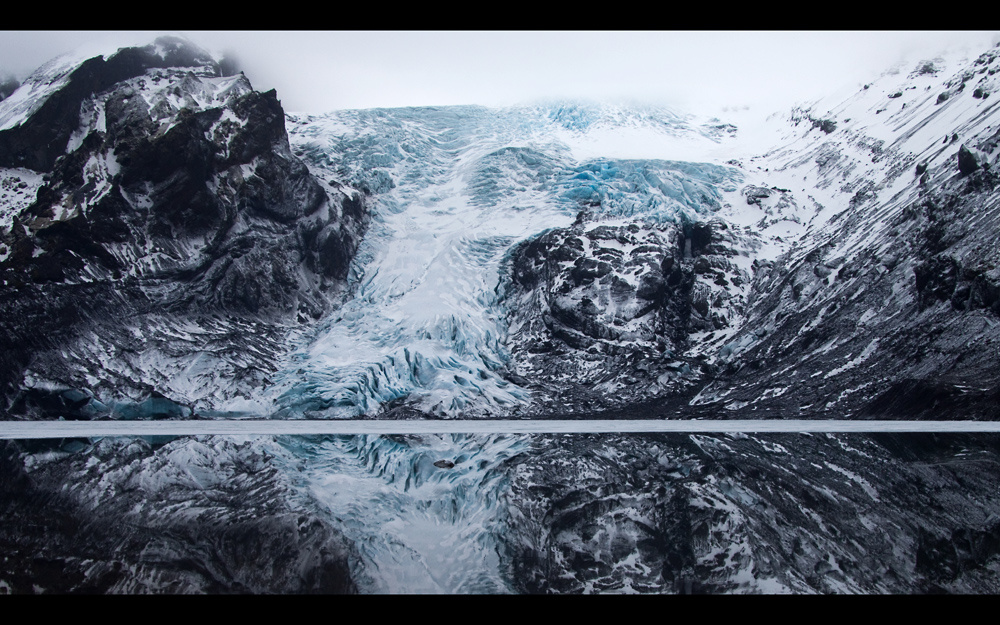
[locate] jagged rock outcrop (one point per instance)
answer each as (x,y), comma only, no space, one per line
(173,225)
(968,160)
(909,303)
(605,316)
(42,138)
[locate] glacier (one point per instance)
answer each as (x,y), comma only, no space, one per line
(456,189)
(556,261)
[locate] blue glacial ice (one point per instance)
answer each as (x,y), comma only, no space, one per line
(455,188)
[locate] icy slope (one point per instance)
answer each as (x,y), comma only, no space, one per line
(38,87)
(890,291)
(423,318)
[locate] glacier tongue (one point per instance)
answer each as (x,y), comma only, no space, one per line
(456,189)
(424,322)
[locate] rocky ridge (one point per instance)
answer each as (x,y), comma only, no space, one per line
(173,242)
(613,310)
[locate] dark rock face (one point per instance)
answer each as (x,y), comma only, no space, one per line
(606,315)
(171,198)
(755,194)
(232,529)
(826,125)
(37,143)
(968,160)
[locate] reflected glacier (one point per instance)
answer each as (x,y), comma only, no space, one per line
(425,511)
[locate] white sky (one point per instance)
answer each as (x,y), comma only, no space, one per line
(691,70)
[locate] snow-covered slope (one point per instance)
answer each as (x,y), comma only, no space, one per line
(460,320)
(889,284)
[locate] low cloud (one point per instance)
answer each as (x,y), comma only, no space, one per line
(318,71)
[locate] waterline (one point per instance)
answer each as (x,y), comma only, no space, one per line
(90,429)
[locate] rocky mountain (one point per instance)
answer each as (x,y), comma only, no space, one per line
(882,304)
(160,239)
(889,308)
(175,246)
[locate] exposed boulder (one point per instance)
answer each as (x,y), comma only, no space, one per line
(755,194)
(969,160)
(826,125)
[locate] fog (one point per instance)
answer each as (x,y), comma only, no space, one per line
(702,70)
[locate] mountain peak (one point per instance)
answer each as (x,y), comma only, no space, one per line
(37,119)
(178,52)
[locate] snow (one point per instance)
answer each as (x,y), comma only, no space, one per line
(92,118)
(36,89)
(860,358)
(14,197)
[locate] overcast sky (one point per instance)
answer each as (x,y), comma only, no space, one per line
(704,71)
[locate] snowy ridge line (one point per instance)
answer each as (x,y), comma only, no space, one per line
(85,429)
